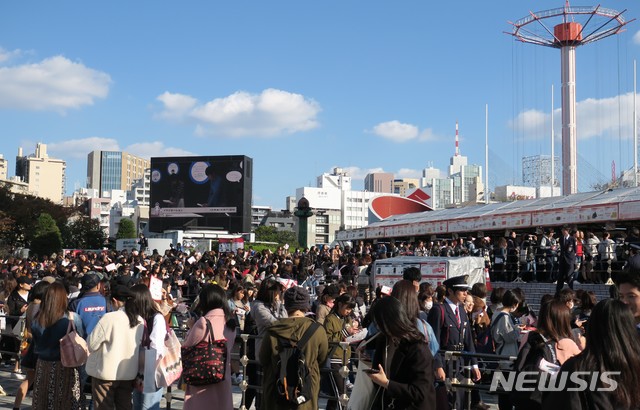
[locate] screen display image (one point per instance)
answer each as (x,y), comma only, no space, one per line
(208,192)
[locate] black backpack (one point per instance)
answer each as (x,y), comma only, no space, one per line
(293,386)
(529,357)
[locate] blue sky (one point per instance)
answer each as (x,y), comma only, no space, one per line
(302,87)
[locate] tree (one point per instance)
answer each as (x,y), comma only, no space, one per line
(126,229)
(47,238)
(83,232)
(272,234)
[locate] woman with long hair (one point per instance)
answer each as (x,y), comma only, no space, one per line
(266,309)
(29,358)
(612,346)
(213,308)
(402,362)
(55,386)
(552,341)
(154,335)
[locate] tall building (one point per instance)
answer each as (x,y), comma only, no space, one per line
(379,182)
(403,186)
(335,206)
(140,191)
(45,176)
(4,165)
(107,170)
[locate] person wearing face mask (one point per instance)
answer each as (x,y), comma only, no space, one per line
(506,334)
(425,297)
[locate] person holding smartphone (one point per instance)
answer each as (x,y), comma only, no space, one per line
(402,364)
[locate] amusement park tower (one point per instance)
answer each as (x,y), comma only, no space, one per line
(572,27)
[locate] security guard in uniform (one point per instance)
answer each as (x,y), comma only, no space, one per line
(452,328)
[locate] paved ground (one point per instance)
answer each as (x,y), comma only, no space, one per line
(11,384)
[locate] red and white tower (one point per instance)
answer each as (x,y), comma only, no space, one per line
(572,27)
(457,141)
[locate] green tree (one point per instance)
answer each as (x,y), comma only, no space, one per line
(126,229)
(272,234)
(22,212)
(83,232)
(47,238)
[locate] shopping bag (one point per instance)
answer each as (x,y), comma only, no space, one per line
(150,364)
(363,392)
(18,328)
(206,362)
(169,368)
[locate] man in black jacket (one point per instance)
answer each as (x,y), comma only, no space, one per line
(452,329)
(567,259)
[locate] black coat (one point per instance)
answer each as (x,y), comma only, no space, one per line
(411,377)
(448,333)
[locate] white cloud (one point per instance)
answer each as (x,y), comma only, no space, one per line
(177,106)
(402,132)
(357,173)
(156,149)
(55,83)
(80,148)
(241,114)
(636,38)
(6,55)
(396,131)
(408,173)
(607,117)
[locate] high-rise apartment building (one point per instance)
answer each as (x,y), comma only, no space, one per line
(107,170)
(45,176)
(379,182)
(4,164)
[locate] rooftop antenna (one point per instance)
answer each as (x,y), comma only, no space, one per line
(457,146)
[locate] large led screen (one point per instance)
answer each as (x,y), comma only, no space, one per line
(201,192)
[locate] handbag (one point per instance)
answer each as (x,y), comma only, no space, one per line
(206,362)
(170,366)
(145,381)
(18,328)
(73,349)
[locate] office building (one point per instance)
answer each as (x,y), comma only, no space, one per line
(107,170)
(379,182)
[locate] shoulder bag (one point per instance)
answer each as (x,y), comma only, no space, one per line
(206,362)
(73,349)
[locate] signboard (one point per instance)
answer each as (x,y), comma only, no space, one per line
(629,210)
(209,191)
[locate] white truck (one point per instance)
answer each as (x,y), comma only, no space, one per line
(435,270)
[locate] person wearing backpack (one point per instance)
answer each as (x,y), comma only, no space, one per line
(291,354)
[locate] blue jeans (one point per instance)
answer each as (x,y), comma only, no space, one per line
(147,401)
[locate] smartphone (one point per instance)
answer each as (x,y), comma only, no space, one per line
(371,371)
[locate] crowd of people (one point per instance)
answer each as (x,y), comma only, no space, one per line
(284,295)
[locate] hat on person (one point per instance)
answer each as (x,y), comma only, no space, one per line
(457,283)
(89,281)
(121,293)
(24,279)
(331,290)
(297,298)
